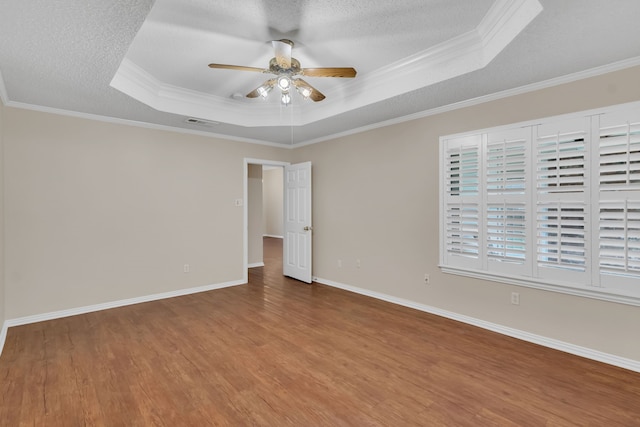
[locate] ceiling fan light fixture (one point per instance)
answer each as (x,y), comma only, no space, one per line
(264,91)
(304,91)
(286,98)
(284,83)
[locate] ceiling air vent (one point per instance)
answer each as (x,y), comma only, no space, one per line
(201,122)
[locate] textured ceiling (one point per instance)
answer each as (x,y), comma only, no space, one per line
(64,54)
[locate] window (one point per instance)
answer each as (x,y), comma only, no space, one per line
(554,205)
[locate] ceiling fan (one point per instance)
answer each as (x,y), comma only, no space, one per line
(288,74)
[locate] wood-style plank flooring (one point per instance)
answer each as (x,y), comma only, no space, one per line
(278,352)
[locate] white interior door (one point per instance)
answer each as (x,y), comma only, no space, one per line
(296,258)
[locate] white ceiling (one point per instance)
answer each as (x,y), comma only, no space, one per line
(146,61)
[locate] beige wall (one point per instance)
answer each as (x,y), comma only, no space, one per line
(375,198)
(98,212)
(255,226)
(2,290)
(273,201)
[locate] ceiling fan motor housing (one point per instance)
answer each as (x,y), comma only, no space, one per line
(275,68)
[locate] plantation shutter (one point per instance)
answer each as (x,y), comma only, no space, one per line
(561,158)
(562,219)
(619,154)
(554,205)
(561,235)
(619,193)
(507,237)
(619,228)
(462,215)
(506,232)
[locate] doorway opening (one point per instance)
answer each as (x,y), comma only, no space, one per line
(263,202)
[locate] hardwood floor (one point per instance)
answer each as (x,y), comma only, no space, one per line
(278,352)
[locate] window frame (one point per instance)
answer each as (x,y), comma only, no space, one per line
(626,290)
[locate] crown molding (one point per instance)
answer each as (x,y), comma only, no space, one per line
(126,122)
(144,87)
(569,78)
(503,22)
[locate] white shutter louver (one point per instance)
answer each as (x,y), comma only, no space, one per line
(462,230)
(619,151)
(506,232)
(561,234)
(620,237)
(506,167)
(463,171)
(561,162)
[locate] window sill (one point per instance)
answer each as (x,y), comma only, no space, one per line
(587,292)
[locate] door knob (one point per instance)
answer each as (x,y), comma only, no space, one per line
(308,228)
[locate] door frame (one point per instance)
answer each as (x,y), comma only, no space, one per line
(245,209)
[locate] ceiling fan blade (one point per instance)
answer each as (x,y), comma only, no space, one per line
(314,94)
(283,52)
(237,67)
(263,89)
(345,72)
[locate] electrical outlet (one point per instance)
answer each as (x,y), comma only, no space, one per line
(515,298)
(426,278)
(186,268)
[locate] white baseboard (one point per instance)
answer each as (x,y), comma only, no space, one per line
(3,335)
(113,304)
(272,235)
(256,264)
(632,365)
